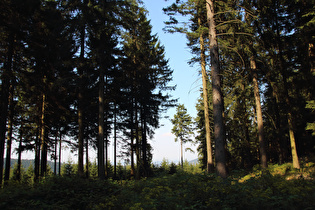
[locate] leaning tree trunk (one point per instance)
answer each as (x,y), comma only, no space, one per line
(210,165)
(219,136)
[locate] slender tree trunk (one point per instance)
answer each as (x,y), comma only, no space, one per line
(181,154)
(55,153)
(100,154)
(210,165)
(144,143)
(5,86)
(80,102)
(43,167)
(20,155)
(260,125)
(37,154)
(60,136)
(9,136)
(87,173)
(219,135)
(115,140)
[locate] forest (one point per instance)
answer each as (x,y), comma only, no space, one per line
(89,73)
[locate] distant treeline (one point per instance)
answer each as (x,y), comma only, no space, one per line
(26,164)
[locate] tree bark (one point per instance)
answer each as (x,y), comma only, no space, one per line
(115,140)
(80,108)
(60,135)
(100,149)
(210,165)
(260,125)
(219,135)
(43,139)
(9,136)
(5,86)
(37,154)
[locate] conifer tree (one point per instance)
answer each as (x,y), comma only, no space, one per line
(182,128)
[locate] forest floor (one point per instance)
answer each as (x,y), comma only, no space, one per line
(278,187)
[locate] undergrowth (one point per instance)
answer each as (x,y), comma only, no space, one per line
(279,187)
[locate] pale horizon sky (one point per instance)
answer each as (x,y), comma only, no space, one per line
(187,92)
(184,76)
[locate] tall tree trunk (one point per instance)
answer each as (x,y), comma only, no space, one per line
(100,154)
(295,158)
(80,105)
(43,164)
(9,136)
(219,135)
(260,125)
(115,140)
(5,86)
(210,165)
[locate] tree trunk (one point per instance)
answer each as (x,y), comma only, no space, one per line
(87,173)
(181,154)
(9,136)
(55,153)
(60,135)
(115,140)
(80,103)
(210,165)
(5,86)
(295,158)
(43,164)
(37,154)
(219,135)
(262,143)
(144,143)
(100,154)
(19,164)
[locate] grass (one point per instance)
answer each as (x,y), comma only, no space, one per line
(279,187)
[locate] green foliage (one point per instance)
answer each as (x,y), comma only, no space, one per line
(182,124)
(268,189)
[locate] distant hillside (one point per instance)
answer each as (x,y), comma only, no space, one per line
(195,161)
(27,163)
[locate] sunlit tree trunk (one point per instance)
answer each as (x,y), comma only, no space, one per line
(210,165)
(260,125)
(219,135)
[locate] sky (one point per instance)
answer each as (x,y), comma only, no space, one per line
(185,77)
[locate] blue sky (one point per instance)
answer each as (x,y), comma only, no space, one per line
(185,77)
